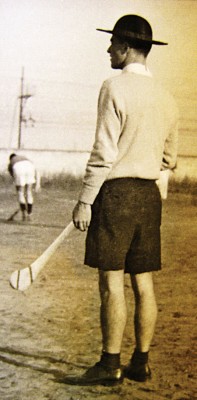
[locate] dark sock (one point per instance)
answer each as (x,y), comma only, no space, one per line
(29,208)
(110,360)
(22,207)
(139,357)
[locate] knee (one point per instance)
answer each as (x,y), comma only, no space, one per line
(110,288)
(29,194)
(21,194)
(143,287)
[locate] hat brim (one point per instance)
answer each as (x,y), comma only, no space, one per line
(141,40)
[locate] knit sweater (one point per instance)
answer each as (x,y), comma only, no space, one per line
(136,133)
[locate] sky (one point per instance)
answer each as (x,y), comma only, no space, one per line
(65,61)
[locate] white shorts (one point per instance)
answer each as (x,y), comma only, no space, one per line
(24,173)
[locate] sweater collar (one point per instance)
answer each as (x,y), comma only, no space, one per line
(137,68)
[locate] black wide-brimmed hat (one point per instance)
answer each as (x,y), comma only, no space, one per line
(133,27)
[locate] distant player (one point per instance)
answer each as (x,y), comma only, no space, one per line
(24,174)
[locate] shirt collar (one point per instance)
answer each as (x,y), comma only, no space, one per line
(137,68)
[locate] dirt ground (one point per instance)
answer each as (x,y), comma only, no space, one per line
(52,329)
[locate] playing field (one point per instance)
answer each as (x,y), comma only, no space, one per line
(52,329)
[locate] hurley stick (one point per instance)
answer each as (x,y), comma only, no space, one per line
(23,278)
(11,218)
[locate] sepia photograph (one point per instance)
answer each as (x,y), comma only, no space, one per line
(98,199)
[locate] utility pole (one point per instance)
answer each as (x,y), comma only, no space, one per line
(23,98)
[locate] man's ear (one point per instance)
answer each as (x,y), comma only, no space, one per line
(125,47)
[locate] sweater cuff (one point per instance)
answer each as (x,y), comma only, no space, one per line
(88,194)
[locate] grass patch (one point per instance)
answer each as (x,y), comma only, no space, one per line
(71,182)
(5,179)
(186,186)
(61,181)
(64,181)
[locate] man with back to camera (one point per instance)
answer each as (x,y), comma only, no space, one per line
(120,204)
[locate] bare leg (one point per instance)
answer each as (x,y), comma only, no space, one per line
(113,309)
(145,310)
(29,197)
(113,318)
(22,199)
(29,200)
(29,194)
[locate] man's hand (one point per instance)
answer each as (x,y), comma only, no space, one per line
(82,214)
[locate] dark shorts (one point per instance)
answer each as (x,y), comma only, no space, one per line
(125,228)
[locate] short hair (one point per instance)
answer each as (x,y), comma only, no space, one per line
(12,155)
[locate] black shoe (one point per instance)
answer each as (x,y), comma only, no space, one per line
(139,373)
(97,375)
